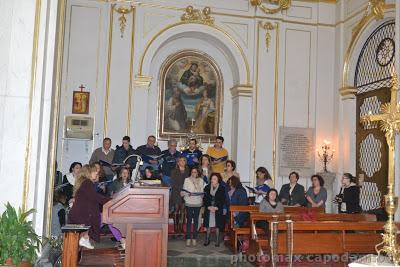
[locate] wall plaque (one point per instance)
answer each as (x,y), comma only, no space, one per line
(296,151)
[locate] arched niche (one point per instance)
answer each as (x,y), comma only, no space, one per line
(205,40)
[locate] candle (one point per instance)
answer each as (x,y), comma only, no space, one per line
(192,121)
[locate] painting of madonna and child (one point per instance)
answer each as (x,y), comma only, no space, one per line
(190,96)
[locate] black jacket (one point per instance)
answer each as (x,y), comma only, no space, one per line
(297,196)
(219,202)
(121,154)
(351,196)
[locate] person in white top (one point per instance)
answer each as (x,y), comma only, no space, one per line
(193,195)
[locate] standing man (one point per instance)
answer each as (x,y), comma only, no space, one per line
(192,154)
(123,152)
(169,158)
(219,155)
(149,153)
(106,154)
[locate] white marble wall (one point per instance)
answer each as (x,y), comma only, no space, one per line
(16,50)
(26,90)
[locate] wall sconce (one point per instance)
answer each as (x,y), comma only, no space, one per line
(325,155)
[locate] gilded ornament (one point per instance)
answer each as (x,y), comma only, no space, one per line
(268,26)
(122,19)
(389,119)
(280,5)
(193,15)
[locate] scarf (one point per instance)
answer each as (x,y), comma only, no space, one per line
(213,190)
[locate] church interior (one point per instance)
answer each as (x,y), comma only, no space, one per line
(199,133)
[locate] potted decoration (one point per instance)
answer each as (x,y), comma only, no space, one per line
(18,241)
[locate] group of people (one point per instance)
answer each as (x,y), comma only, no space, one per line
(201,186)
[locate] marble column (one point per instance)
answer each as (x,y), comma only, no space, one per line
(347,132)
(329,179)
(242,130)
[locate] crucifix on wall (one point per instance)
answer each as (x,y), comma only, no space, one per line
(80,101)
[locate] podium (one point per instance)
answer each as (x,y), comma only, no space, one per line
(141,214)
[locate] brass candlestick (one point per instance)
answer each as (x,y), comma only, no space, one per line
(389,119)
(325,156)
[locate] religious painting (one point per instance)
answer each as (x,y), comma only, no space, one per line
(190,96)
(80,103)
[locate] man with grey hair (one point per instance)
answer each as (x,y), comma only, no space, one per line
(169,161)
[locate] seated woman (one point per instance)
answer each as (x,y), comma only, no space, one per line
(237,195)
(58,217)
(124,178)
(86,207)
(349,197)
(316,195)
(293,194)
(70,178)
(214,200)
(148,173)
(102,187)
(264,183)
(271,203)
(230,167)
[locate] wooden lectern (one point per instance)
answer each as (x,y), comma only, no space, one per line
(141,214)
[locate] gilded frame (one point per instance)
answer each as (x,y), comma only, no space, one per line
(203,59)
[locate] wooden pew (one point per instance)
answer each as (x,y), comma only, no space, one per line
(326,238)
(235,232)
(342,234)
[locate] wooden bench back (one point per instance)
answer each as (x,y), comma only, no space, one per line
(323,237)
(287,209)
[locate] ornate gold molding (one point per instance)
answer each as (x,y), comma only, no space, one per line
(28,150)
(268,26)
(110,34)
(374,10)
(122,19)
(229,37)
(51,171)
(197,16)
(281,5)
(129,117)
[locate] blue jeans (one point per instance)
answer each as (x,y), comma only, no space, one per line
(192,213)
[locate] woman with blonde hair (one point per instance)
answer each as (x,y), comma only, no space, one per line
(85,209)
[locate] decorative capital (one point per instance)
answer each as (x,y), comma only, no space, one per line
(193,15)
(142,82)
(279,5)
(242,91)
(348,92)
(122,19)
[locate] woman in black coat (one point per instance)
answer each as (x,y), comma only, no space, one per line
(349,197)
(214,200)
(293,194)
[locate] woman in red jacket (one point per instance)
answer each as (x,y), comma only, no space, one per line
(87,205)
